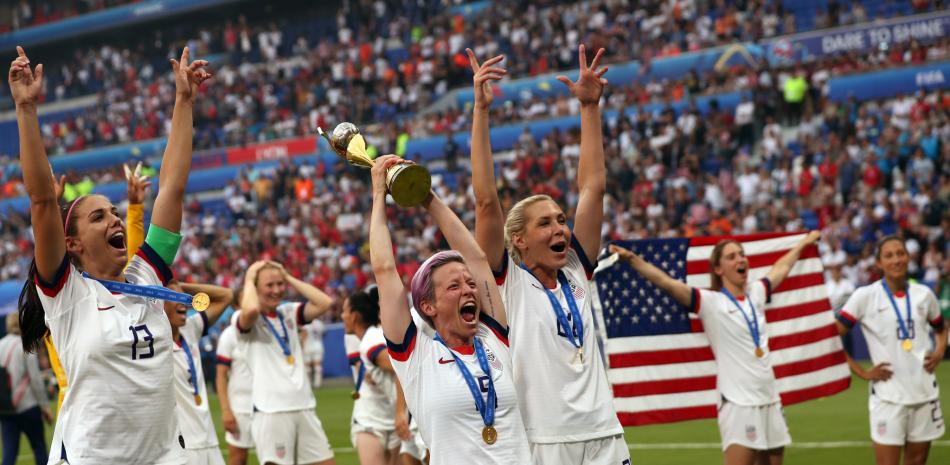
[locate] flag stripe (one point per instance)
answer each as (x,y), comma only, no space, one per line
(790,312)
(678,400)
(806,366)
(797,339)
(808,323)
(697,242)
(824,390)
(661,357)
(659,372)
(670,386)
(651,417)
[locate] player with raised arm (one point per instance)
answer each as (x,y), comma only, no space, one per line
(544,269)
(751,423)
(896,317)
(458,384)
(285,427)
(116,349)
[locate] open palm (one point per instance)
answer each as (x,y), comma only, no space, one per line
(590,83)
(26,85)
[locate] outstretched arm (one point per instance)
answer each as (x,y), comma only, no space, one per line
(780,269)
(176,162)
(26,87)
(489,217)
(221,297)
(461,240)
(678,289)
(591,172)
(393,308)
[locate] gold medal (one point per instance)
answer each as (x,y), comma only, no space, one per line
(290,359)
(200,301)
(197,399)
(906,344)
(489,435)
(355,395)
(759,352)
(580,354)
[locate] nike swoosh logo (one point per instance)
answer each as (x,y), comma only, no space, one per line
(445,362)
(102,309)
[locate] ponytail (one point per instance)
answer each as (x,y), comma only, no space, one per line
(366,304)
(32,316)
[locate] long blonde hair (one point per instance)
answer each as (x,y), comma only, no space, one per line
(517,223)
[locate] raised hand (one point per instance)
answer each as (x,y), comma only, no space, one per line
(26,84)
(59,185)
(136,183)
(380,169)
(189,76)
(590,82)
(625,255)
(484,74)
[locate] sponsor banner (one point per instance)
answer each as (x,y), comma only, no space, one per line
(272,150)
(890,83)
(924,28)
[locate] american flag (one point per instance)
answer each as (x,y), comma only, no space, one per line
(660,364)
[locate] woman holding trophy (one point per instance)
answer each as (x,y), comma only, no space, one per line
(458,383)
(544,278)
(115,347)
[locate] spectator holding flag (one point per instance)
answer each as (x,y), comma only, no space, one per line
(751,423)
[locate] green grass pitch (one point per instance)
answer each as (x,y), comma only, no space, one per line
(829,431)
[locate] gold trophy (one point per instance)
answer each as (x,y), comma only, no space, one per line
(408,183)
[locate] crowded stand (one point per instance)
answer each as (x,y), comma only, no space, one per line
(28,13)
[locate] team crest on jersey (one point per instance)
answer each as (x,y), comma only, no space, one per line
(492,359)
(576,290)
(281,451)
(750,433)
(882,428)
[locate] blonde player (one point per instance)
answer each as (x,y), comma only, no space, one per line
(233,383)
(457,384)
(373,431)
(751,423)
(284,425)
(545,283)
(894,315)
(116,348)
(191,392)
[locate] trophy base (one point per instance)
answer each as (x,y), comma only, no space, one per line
(409,184)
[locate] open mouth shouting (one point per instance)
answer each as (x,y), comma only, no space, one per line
(117,241)
(469,313)
(559,247)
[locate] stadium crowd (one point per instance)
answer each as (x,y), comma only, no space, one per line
(850,169)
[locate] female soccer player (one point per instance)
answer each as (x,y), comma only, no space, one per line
(894,314)
(545,283)
(373,431)
(233,383)
(751,423)
(191,393)
(285,427)
(116,349)
(459,383)
(27,398)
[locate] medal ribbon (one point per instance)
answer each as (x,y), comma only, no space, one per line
(578,328)
(191,364)
(283,341)
(486,409)
(900,322)
(359,376)
(141,290)
(752,323)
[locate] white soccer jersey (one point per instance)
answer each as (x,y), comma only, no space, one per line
(440,400)
(195,421)
(581,407)
(278,385)
(116,351)
(870,306)
(352,345)
(377,406)
(743,378)
(314,346)
(231,353)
